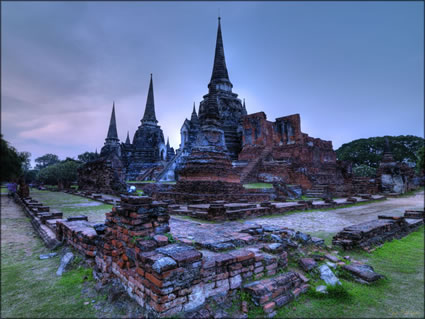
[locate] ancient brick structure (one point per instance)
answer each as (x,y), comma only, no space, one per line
(141,159)
(207,170)
(230,111)
(148,150)
(280,151)
(376,232)
(168,278)
(105,174)
(260,150)
(112,142)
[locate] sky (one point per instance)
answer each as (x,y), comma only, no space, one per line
(351,70)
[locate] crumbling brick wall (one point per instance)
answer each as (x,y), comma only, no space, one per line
(103,175)
(294,157)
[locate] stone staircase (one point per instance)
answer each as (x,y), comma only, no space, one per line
(246,175)
(171,165)
(233,142)
(146,175)
(317,191)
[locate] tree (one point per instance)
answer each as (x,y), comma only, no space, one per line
(420,164)
(68,172)
(46,160)
(10,161)
(63,173)
(48,175)
(26,161)
(87,157)
(370,151)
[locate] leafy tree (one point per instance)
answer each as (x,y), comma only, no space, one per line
(26,161)
(67,172)
(46,160)
(87,157)
(420,164)
(10,161)
(370,151)
(48,175)
(63,173)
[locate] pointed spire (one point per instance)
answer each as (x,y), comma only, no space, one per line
(112,131)
(219,73)
(168,142)
(127,140)
(244,112)
(149,115)
(194,118)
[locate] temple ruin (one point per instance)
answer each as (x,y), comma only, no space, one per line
(248,148)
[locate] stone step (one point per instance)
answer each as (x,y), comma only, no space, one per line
(275,292)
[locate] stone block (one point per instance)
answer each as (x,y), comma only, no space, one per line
(182,254)
(163,264)
(307,264)
(235,282)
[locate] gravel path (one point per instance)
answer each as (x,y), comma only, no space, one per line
(333,221)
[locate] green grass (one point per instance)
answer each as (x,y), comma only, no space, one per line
(29,286)
(400,295)
(258,185)
(412,192)
(72,205)
(3,190)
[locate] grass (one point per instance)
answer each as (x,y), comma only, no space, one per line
(258,185)
(3,190)
(72,205)
(400,295)
(29,286)
(412,192)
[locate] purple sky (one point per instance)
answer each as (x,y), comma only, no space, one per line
(352,70)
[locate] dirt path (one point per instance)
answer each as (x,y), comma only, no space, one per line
(325,222)
(333,221)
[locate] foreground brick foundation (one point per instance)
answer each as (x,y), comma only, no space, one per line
(385,228)
(167,277)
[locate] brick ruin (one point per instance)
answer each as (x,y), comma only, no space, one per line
(280,152)
(104,174)
(168,278)
(385,228)
(169,275)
